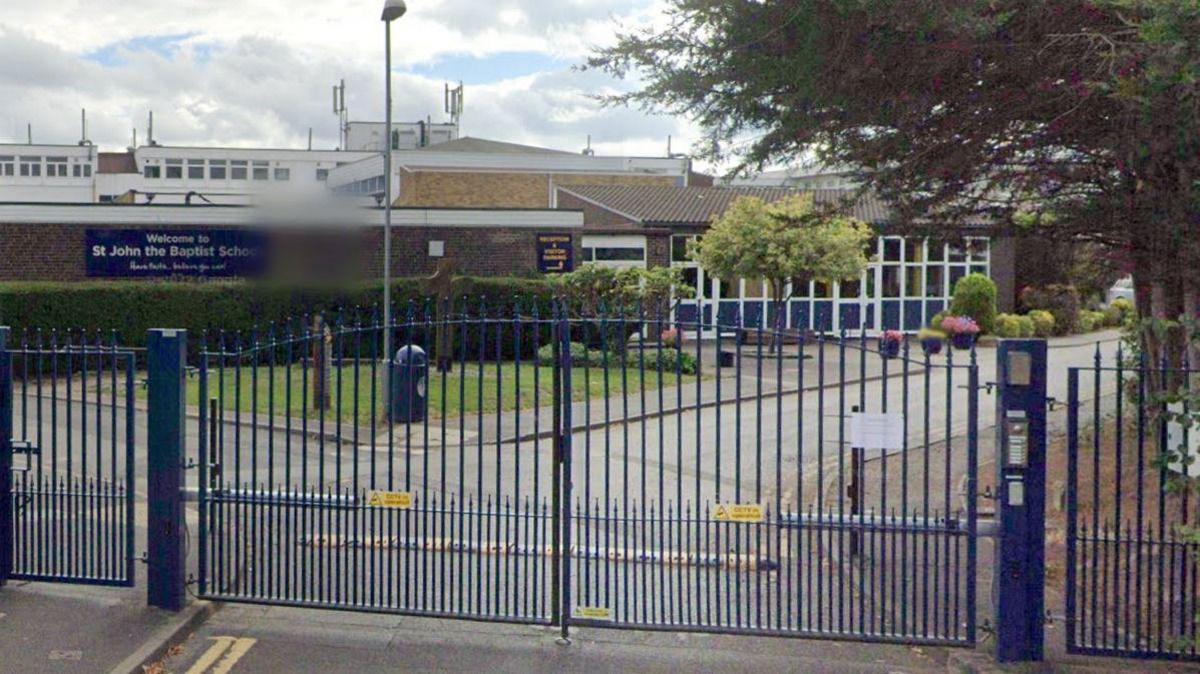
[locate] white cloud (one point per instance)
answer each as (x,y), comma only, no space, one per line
(232,72)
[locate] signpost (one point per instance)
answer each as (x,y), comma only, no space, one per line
(124,253)
(555,253)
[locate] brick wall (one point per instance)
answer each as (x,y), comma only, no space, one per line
(57,252)
(500,190)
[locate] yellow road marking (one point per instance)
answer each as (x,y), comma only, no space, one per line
(235,653)
(211,655)
(233,649)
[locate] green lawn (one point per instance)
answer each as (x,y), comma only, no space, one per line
(461,389)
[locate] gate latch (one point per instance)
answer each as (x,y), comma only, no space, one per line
(25,447)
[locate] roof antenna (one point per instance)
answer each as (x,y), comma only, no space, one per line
(310,139)
(29,133)
(150,131)
(588,151)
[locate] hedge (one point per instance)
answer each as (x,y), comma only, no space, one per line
(130,308)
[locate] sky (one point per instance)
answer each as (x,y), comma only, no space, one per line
(260,72)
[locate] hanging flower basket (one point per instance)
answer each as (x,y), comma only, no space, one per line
(962,330)
(931,341)
(963,341)
(889,343)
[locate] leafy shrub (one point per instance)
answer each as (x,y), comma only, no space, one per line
(1008,326)
(975,297)
(1095,320)
(666,359)
(1118,312)
(1043,323)
(936,322)
(1025,323)
(580,355)
(1062,301)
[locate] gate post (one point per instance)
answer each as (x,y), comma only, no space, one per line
(6,499)
(1020,564)
(166,356)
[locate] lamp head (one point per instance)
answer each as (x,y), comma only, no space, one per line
(393,9)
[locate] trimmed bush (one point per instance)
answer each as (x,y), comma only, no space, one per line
(1008,326)
(1060,300)
(975,297)
(130,308)
(1043,323)
(1027,328)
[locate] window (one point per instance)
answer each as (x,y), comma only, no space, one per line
(935,281)
(679,248)
(283,174)
(152,172)
(914,250)
(82,170)
(620,254)
(237,170)
(914,282)
(891,250)
(31,166)
(174,169)
(891,281)
(262,170)
(322,175)
(821,290)
(799,287)
(216,169)
(56,167)
(850,289)
(7,165)
(588,254)
(752,288)
(195,169)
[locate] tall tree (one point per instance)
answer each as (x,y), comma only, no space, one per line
(1079,115)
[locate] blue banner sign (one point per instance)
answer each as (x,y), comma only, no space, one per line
(175,252)
(555,252)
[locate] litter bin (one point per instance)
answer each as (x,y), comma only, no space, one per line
(408,398)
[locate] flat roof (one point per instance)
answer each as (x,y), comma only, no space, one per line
(33,213)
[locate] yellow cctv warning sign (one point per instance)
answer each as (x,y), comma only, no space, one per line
(593,612)
(738,512)
(390,499)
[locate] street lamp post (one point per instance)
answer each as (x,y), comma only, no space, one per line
(392,10)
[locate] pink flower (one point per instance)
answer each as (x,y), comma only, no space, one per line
(892,336)
(960,325)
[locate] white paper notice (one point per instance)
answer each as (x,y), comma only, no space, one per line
(877,431)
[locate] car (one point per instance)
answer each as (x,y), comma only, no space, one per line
(1122,289)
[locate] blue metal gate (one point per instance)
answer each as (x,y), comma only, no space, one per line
(608,470)
(68,441)
(1131,573)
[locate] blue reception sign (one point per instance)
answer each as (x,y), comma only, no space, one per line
(555,252)
(175,252)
